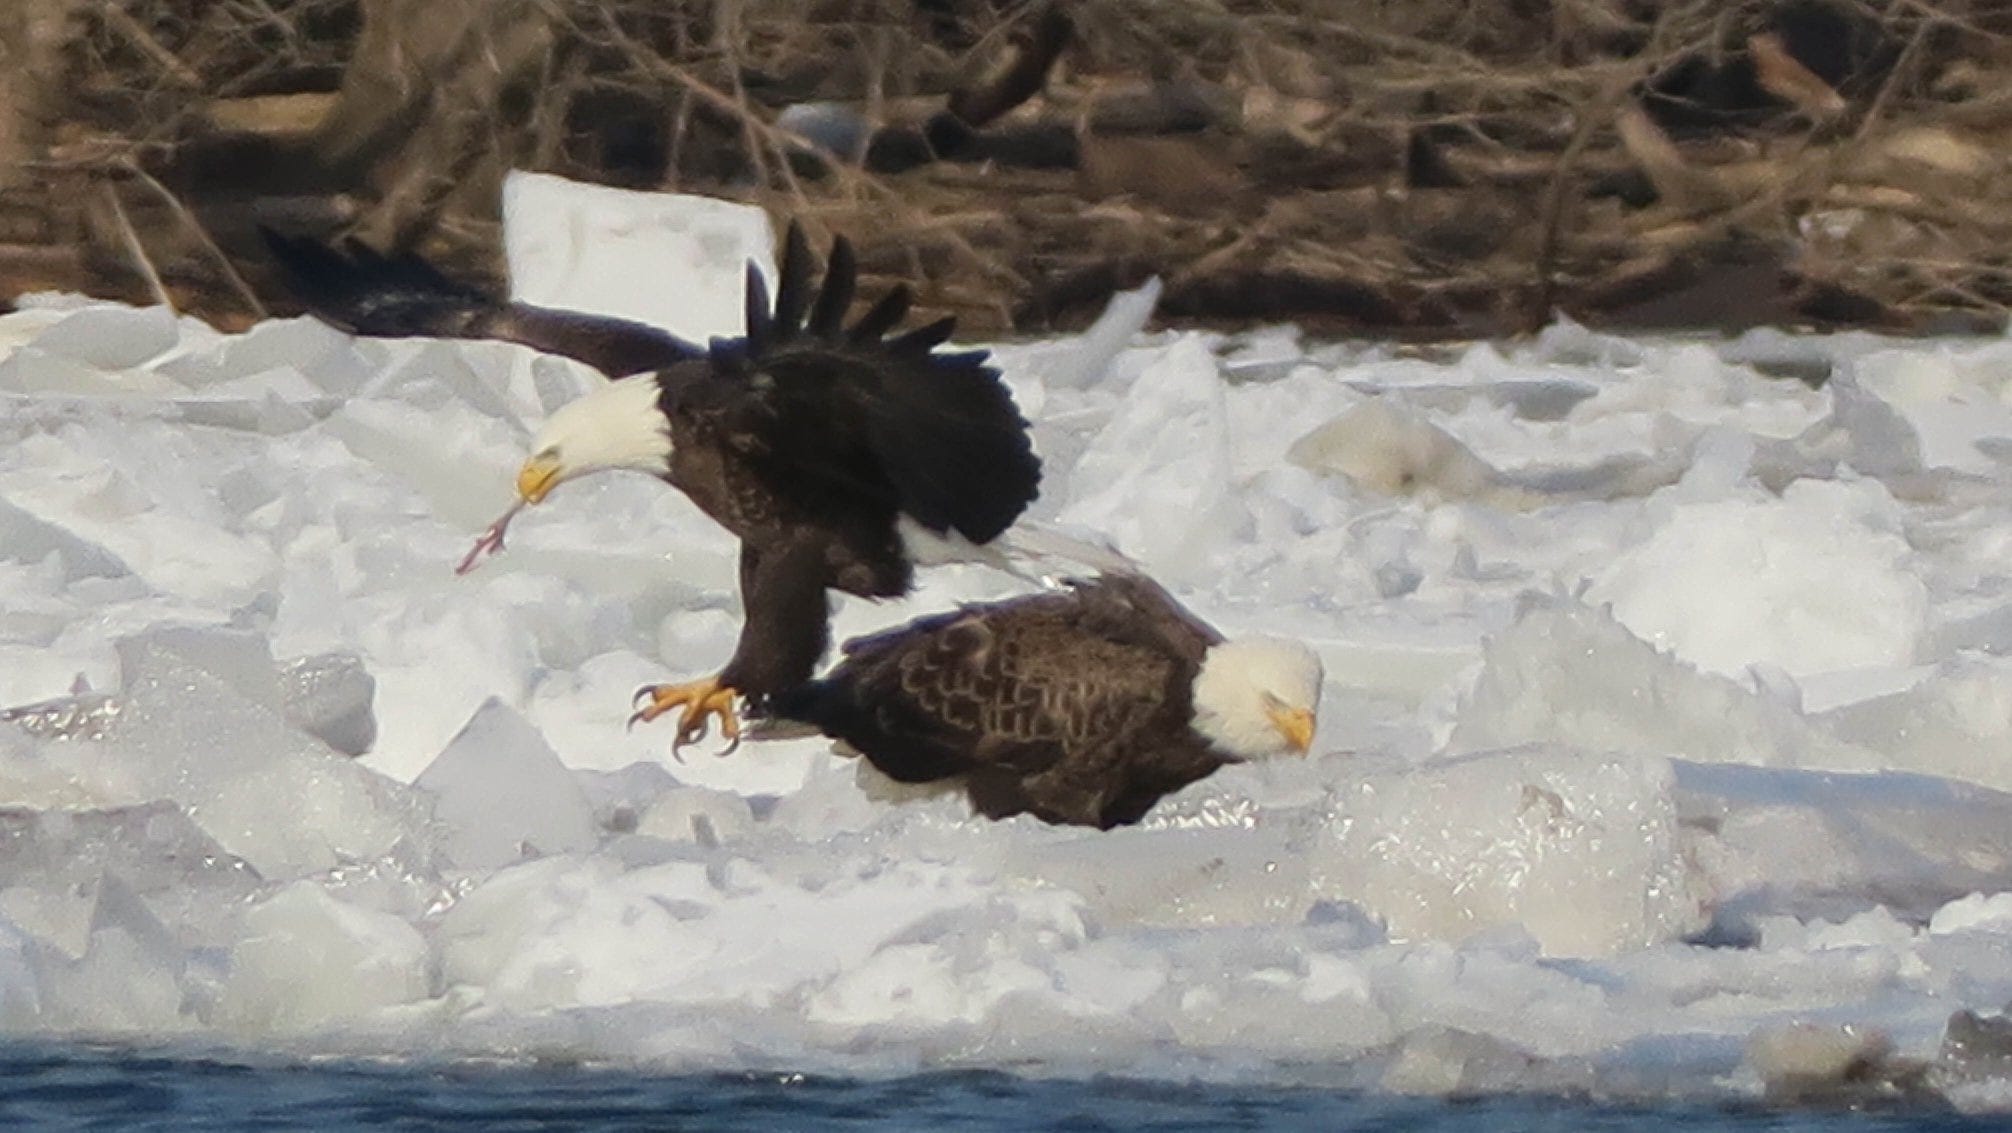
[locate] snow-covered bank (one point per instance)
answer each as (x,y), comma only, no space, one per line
(1667,711)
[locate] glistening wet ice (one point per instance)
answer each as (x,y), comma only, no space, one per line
(1661,755)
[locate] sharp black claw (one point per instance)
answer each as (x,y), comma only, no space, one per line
(648,692)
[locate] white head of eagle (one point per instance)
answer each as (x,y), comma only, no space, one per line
(617,426)
(1256,697)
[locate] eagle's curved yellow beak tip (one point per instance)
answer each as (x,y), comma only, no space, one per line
(1296,725)
(537,478)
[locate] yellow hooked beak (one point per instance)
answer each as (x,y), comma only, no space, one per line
(538,477)
(1296,725)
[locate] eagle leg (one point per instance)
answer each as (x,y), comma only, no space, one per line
(701,700)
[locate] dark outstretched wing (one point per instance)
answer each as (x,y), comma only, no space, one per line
(824,405)
(365,292)
(1059,704)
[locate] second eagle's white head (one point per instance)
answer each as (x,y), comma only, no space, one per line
(1257,697)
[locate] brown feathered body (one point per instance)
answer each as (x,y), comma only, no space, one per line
(1074,706)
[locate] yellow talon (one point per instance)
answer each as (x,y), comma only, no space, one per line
(702,700)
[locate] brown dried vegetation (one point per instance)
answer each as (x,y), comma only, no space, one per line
(1438,168)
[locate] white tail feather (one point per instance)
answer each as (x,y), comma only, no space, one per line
(1040,553)
(1047,555)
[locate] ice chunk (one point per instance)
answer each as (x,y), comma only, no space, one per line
(464,483)
(1090,354)
(273,403)
(32,371)
(1157,477)
(282,383)
(333,361)
(1810,1064)
(1861,431)
(556,381)
(1957,722)
(1268,992)
(1950,410)
(20,993)
(157,520)
(1385,448)
(671,260)
(1176,878)
(405,882)
(54,860)
(56,918)
(1569,342)
(34,314)
(26,539)
(1441,1061)
(620,798)
(581,711)
(329,696)
(500,793)
(1263,354)
(1975,912)
(112,337)
(305,961)
(583,931)
(700,815)
(1581,850)
(1569,674)
(1807,843)
(44,775)
(240,659)
(845,794)
(266,792)
(1977,1046)
(436,376)
(129,981)
(1818,580)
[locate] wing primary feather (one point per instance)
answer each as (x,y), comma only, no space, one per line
(925,338)
(364,291)
(304,261)
(841,273)
(355,287)
(874,407)
(758,312)
(882,318)
(962,360)
(793,293)
(361,252)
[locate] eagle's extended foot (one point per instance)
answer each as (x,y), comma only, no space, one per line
(702,699)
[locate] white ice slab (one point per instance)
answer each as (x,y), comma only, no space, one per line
(672,260)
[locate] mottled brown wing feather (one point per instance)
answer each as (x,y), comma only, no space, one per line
(1129,606)
(1020,685)
(1071,706)
(1028,690)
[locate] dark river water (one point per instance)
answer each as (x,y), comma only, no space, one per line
(47,1087)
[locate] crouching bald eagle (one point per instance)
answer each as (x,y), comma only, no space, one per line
(1081,706)
(835,454)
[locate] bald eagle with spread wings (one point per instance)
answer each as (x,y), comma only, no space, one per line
(833,452)
(1081,706)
